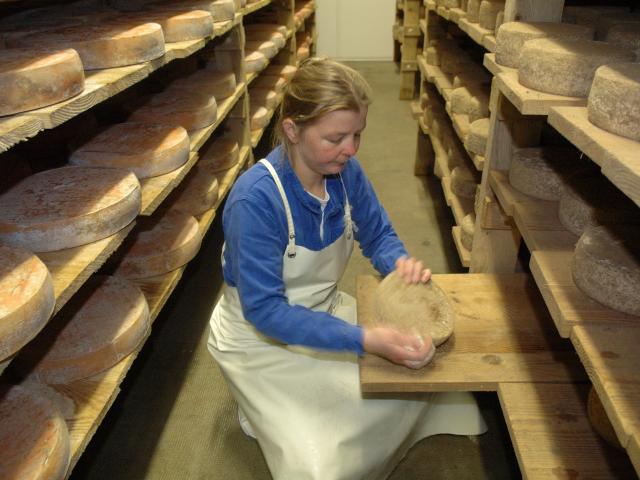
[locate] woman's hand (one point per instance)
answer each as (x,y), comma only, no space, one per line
(412,270)
(409,350)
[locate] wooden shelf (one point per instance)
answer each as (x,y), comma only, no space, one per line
(478,161)
(443,12)
(460,125)
(439,79)
(540,227)
(476,32)
(198,138)
(552,436)
(423,26)
(441,167)
(489,42)
(423,126)
(506,194)
(568,305)
(460,206)
(256,135)
(616,155)
(532,102)
(252,7)
(457,14)
(416,111)
(463,253)
(100,85)
(489,62)
(501,336)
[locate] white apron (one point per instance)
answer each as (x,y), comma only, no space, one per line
(304,405)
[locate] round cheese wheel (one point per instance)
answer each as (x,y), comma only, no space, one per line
(303,53)
(463,182)
(146,149)
(267,48)
(541,171)
(606,266)
(198,192)
(259,117)
(476,140)
(254,62)
(32,79)
(223,10)
(264,97)
(511,37)
(469,78)
(285,71)
(26,298)
(161,245)
(266,27)
(103,45)
(189,109)
(219,155)
(271,82)
(417,309)
(467,225)
(625,34)
(459,99)
(220,85)
(261,35)
(614,99)
(566,67)
(103,323)
(34,440)
(177,26)
(606,21)
(473,11)
(488,13)
(67,207)
(600,420)
(432,56)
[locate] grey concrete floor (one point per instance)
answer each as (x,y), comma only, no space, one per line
(175,419)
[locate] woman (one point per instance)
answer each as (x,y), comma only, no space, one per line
(285,338)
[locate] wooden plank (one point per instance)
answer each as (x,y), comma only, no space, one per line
(439,79)
(441,167)
(156,189)
(540,227)
(505,193)
(502,335)
(474,30)
(460,206)
(489,42)
(568,305)
(489,62)
(18,128)
(616,155)
(460,126)
(532,102)
(71,267)
(611,357)
(463,253)
(456,14)
(552,436)
(252,7)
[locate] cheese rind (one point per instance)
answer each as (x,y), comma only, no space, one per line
(223,10)
(259,117)
(264,96)
(285,71)
(197,193)
(266,47)
(189,109)
(614,99)
(30,79)
(219,85)
(219,155)
(467,228)
(463,183)
(177,26)
(473,11)
(476,141)
(488,13)
(67,207)
(566,67)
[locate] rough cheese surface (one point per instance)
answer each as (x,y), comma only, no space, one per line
(264,96)
(259,117)
(222,10)
(476,140)
(566,67)
(219,85)
(255,61)
(197,193)
(606,266)
(463,182)
(219,155)
(488,13)
(614,99)
(467,228)
(625,34)
(266,47)
(473,11)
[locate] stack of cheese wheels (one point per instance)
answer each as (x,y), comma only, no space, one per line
(146,149)
(476,141)
(463,182)
(259,117)
(26,298)
(605,22)
(103,323)
(467,228)
(31,79)
(177,26)
(473,11)
(589,199)
(67,207)
(260,34)
(285,71)
(263,96)
(198,192)
(614,99)
(219,155)
(541,171)
(566,67)
(512,36)
(105,45)
(219,85)
(625,34)
(488,13)
(606,266)
(189,109)
(266,47)
(272,82)
(34,440)
(160,245)
(254,62)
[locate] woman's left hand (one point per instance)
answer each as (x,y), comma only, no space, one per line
(412,270)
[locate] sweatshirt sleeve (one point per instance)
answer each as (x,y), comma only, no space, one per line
(378,240)
(255,243)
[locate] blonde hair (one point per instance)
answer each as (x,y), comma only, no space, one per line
(320,86)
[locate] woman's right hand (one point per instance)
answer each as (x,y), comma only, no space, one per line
(409,350)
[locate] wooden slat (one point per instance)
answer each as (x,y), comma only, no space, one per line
(489,62)
(478,161)
(552,436)
(489,42)
(460,206)
(463,253)
(567,304)
(506,194)
(611,357)
(532,102)
(617,156)
(502,334)
(540,227)
(252,7)
(439,79)
(475,31)
(18,128)
(456,14)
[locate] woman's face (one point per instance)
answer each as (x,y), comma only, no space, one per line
(326,145)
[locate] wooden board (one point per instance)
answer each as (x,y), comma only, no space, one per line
(252,7)
(617,156)
(475,31)
(439,79)
(552,436)
(441,167)
(463,253)
(611,357)
(540,227)
(506,194)
(531,102)
(503,334)
(478,161)
(456,14)
(460,125)
(18,128)
(489,62)
(634,452)
(460,206)
(71,267)
(567,304)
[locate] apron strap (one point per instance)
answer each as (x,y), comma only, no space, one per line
(347,211)
(291,247)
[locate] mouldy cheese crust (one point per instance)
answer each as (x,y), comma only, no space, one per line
(219,155)
(463,182)
(476,141)
(197,193)
(467,228)
(190,109)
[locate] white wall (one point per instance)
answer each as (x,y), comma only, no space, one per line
(355,29)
